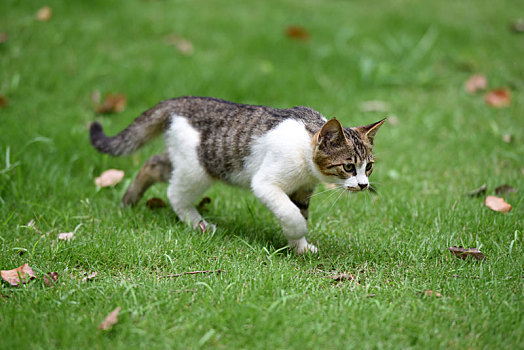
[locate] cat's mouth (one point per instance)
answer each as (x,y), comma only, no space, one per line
(357,189)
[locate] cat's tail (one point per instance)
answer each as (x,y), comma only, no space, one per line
(147,126)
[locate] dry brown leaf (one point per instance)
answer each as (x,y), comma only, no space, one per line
(429,293)
(497,204)
(298,33)
(184,46)
(90,276)
(476,83)
(109,177)
(3,37)
(19,275)
(155,203)
(3,101)
(110,319)
(66,236)
(505,189)
(44,14)
(498,98)
(113,103)
(464,253)
(478,191)
(50,279)
(342,277)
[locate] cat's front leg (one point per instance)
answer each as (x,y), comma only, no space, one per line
(293,222)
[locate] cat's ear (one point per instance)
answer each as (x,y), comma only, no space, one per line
(331,133)
(368,132)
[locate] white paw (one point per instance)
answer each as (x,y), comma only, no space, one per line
(301,246)
(308,248)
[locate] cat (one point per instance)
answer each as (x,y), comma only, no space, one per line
(281,154)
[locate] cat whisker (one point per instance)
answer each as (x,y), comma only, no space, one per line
(334,191)
(316,194)
(336,200)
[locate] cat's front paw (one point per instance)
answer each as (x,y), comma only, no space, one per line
(301,246)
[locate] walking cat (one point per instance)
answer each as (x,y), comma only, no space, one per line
(281,154)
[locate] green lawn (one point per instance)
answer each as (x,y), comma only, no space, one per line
(444,142)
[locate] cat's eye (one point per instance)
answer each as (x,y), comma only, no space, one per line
(349,168)
(369,166)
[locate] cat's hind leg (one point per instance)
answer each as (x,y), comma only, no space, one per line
(157,169)
(189,180)
(183,191)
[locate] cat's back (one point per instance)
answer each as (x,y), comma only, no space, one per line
(228,130)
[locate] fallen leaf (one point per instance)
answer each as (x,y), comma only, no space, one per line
(478,191)
(298,33)
(154,203)
(429,293)
(90,276)
(498,98)
(342,277)
(109,177)
(518,26)
(475,83)
(505,189)
(374,106)
(184,46)
(113,103)
(19,275)
(370,295)
(3,37)
(203,203)
(66,236)
(497,204)
(464,253)
(110,319)
(3,101)
(193,273)
(50,279)
(44,14)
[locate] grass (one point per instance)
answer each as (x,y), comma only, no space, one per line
(413,55)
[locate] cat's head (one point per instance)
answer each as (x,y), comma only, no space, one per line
(344,156)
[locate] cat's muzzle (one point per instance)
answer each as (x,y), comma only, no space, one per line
(360,187)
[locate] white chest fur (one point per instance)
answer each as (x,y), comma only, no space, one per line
(283,157)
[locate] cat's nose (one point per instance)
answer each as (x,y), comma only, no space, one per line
(362,186)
